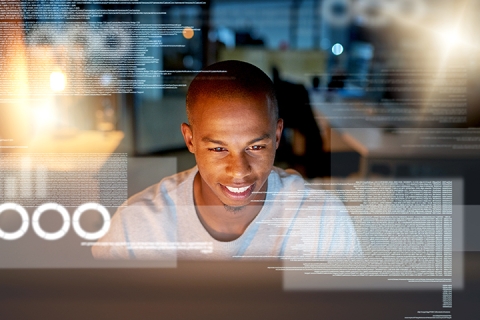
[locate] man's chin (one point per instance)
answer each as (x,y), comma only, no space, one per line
(233,209)
(231,202)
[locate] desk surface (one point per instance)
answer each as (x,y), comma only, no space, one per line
(356,124)
(78,142)
(46,148)
(414,143)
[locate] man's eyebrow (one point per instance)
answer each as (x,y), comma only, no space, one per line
(219,142)
(263,137)
(207,139)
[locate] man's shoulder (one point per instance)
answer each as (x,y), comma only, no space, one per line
(291,183)
(287,173)
(171,189)
(285,179)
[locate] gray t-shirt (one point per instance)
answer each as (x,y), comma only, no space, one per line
(295,222)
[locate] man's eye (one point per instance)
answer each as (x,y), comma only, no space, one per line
(257,147)
(217,149)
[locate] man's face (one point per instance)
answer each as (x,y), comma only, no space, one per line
(234,142)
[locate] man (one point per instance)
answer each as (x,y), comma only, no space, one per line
(234,203)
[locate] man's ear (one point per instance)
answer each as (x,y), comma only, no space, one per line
(278,132)
(188,137)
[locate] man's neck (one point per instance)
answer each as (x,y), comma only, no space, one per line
(223,223)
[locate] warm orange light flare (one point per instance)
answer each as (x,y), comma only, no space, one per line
(188,33)
(57,81)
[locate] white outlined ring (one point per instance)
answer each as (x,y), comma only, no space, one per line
(384,10)
(51,235)
(25,221)
(327,12)
(91,235)
(99,42)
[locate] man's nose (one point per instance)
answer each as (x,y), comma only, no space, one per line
(238,166)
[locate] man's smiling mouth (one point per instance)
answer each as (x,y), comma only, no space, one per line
(237,190)
(240,193)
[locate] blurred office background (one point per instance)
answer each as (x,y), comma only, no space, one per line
(336,64)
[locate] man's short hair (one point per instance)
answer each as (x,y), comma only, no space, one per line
(231,78)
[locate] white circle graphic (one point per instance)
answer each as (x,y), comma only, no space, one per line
(410,10)
(25,220)
(91,235)
(50,235)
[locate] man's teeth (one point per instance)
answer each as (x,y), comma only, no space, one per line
(237,190)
